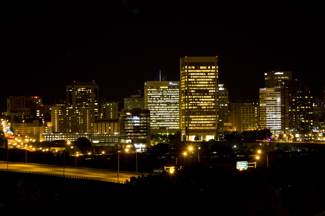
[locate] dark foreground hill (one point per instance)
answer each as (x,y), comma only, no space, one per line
(289,190)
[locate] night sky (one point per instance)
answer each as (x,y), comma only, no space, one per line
(125,43)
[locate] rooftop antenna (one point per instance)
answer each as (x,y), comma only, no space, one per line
(160,75)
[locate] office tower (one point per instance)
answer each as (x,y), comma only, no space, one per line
(244,116)
(223,109)
(270,109)
(135,128)
(109,110)
(277,79)
(199,103)
(271,100)
(83,95)
(298,108)
(161,98)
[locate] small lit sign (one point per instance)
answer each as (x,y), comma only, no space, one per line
(278,73)
(171,83)
(242,165)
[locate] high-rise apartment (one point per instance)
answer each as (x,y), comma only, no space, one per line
(199,98)
(161,98)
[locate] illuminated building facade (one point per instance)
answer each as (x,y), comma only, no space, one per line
(83,95)
(277,79)
(161,98)
(27,109)
(66,120)
(199,97)
(133,102)
(109,110)
(270,109)
(244,116)
(223,110)
(135,128)
(272,104)
(297,111)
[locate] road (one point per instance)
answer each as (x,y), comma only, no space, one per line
(71,172)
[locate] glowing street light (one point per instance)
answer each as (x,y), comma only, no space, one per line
(191,149)
(259,152)
(183,154)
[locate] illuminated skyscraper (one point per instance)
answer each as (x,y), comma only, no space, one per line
(161,98)
(271,100)
(277,79)
(83,95)
(199,98)
(270,109)
(223,110)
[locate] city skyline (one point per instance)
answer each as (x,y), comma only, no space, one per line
(42,56)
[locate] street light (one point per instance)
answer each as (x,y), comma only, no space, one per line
(183,154)
(191,149)
(259,152)
(118,166)
(127,150)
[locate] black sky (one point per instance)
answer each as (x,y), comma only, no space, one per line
(125,43)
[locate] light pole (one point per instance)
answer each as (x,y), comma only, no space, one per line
(183,154)
(25,154)
(190,148)
(118,166)
(7,147)
(136,162)
(259,151)
(63,163)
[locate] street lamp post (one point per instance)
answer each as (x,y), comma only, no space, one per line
(118,166)
(7,147)
(25,154)
(136,162)
(183,154)
(267,156)
(63,163)
(190,148)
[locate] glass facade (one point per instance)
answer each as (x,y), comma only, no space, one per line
(270,109)
(199,100)
(161,98)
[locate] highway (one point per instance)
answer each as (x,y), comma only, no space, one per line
(70,172)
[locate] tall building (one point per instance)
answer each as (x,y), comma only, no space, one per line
(270,109)
(223,109)
(133,102)
(277,79)
(271,100)
(298,110)
(161,98)
(244,116)
(199,97)
(109,110)
(135,128)
(27,109)
(83,95)
(77,120)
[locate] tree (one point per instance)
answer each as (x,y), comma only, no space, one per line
(83,144)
